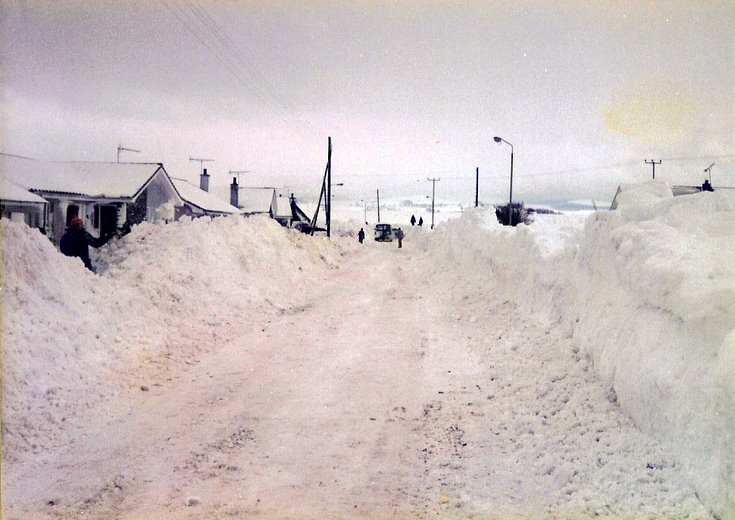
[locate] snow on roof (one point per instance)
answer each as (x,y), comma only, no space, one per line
(94,179)
(202,199)
(10,191)
(256,200)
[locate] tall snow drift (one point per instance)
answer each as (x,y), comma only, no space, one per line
(648,294)
(72,339)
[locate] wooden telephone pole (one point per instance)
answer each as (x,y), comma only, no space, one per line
(653,165)
(326,192)
(378,194)
(433,194)
(477,185)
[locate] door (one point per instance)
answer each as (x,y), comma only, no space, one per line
(108,220)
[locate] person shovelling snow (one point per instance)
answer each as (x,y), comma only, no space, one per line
(76,241)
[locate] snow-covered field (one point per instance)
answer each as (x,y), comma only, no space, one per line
(582,366)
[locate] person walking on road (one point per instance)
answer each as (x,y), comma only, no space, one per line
(413,220)
(421,221)
(361,235)
(399,237)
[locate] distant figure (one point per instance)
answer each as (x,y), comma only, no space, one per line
(361,235)
(399,237)
(421,221)
(707,186)
(413,220)
(76,241)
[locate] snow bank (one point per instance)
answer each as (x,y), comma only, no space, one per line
(73,340)
(652,301)
(647,292)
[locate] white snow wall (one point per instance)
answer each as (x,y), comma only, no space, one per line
(648,294)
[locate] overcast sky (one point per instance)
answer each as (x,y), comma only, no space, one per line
(585,90)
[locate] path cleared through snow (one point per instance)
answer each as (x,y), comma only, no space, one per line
(388,394)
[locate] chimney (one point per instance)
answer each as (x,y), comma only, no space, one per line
(234,192)
(204,180)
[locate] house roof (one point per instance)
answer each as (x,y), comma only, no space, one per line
(256,200)
(93,179)
(12,192)
(202,199)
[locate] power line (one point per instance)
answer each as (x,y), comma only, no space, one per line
(201,26)
(221,33)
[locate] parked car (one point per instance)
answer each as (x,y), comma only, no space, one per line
(383,233)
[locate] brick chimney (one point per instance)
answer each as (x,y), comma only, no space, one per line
(234,193)
(204,180)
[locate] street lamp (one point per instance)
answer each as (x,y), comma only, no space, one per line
(510,199)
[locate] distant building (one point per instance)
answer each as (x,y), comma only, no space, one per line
(107,196)
(198,202)
(267,201)
(257,201)
(676,190)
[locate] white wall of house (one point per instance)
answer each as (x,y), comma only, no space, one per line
(159,192)
(33,214)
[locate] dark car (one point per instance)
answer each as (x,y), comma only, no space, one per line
(383,233)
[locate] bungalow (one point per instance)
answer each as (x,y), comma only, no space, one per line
(198,202)
(107,196)
(257,201)
(19,204)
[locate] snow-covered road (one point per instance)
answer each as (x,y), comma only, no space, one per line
(383,393)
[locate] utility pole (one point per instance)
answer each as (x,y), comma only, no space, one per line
(378,206)
(121,148)
(328,208)
(653,165)
(201,162)
(433,195)
(477,184)
(326,192)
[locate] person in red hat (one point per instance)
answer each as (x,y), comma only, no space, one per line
(76,241)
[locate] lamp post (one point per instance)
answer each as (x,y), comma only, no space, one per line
(510,198)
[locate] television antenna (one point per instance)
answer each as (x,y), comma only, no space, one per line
(121,148)
(238,172)
(201,163)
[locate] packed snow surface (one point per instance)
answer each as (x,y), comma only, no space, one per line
(580,366)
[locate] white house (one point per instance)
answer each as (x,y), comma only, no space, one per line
(257,201)
(106,196)
(19,204)
(198,202)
